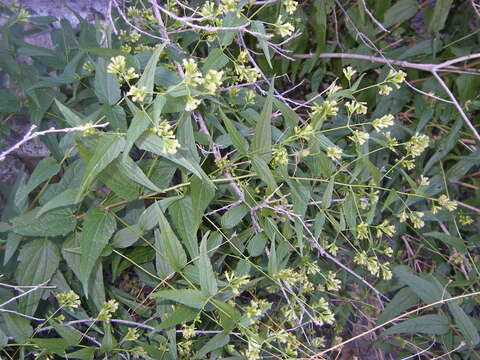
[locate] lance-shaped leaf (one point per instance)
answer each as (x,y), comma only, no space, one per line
(174,252)
(153,143)
(108,151)
(192,298)
(148,76)
(70,117)
(262,140)
(208,281)
(53,223)
(98,228)
(39,260)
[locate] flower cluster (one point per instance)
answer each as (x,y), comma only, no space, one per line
(213,80)
(290,6)
(285,29)
(415,217)
(236,283)
(117,66)
(372,264)
(138,94)
(448,204)
(69,300)
(107,310)
(334,152)
(355,107)
(359,137)
(131,335)
(383,122)
(323,313)
(279,156)
(327,108)
(349,72)
(256,309)
(165,132)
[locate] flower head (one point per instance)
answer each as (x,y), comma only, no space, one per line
(382,123)
(137,93)
(69,300)
(349,72)
(359,137)
(213,80)
(384,89)
(117,65)
(417,145)
(396,77)
(290,6)
(192,76)
(284,28)
(334,152)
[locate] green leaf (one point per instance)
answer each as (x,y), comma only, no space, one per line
(71,252)
(65,198)
(45,169)
(38,261)
(148,76)
(262,139)
(57,222)
(192,298)
(426,324)
(290,116)
(229,315)
(174,252)
(98,227)
(70,117)
(9,102)
(131,170)
(238,140)
(202,193)
(152,143)
(107,87)
(440,15)
(56,346)
(208,281)
(3,339)
(18,327)
(400,12)
(181,314)
(232,217)
(258,27)
(214,343)
(216,60)
(108,151)
(422,288)
(139,124)
(257,244)
(262,169)
(72,336)
(327,195)
(453,241)
(401,302)
(83,354)
(462,320)
(164,269)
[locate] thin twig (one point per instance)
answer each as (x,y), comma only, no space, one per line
(21,315)
(36,287)
(30,135)
(457,105)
